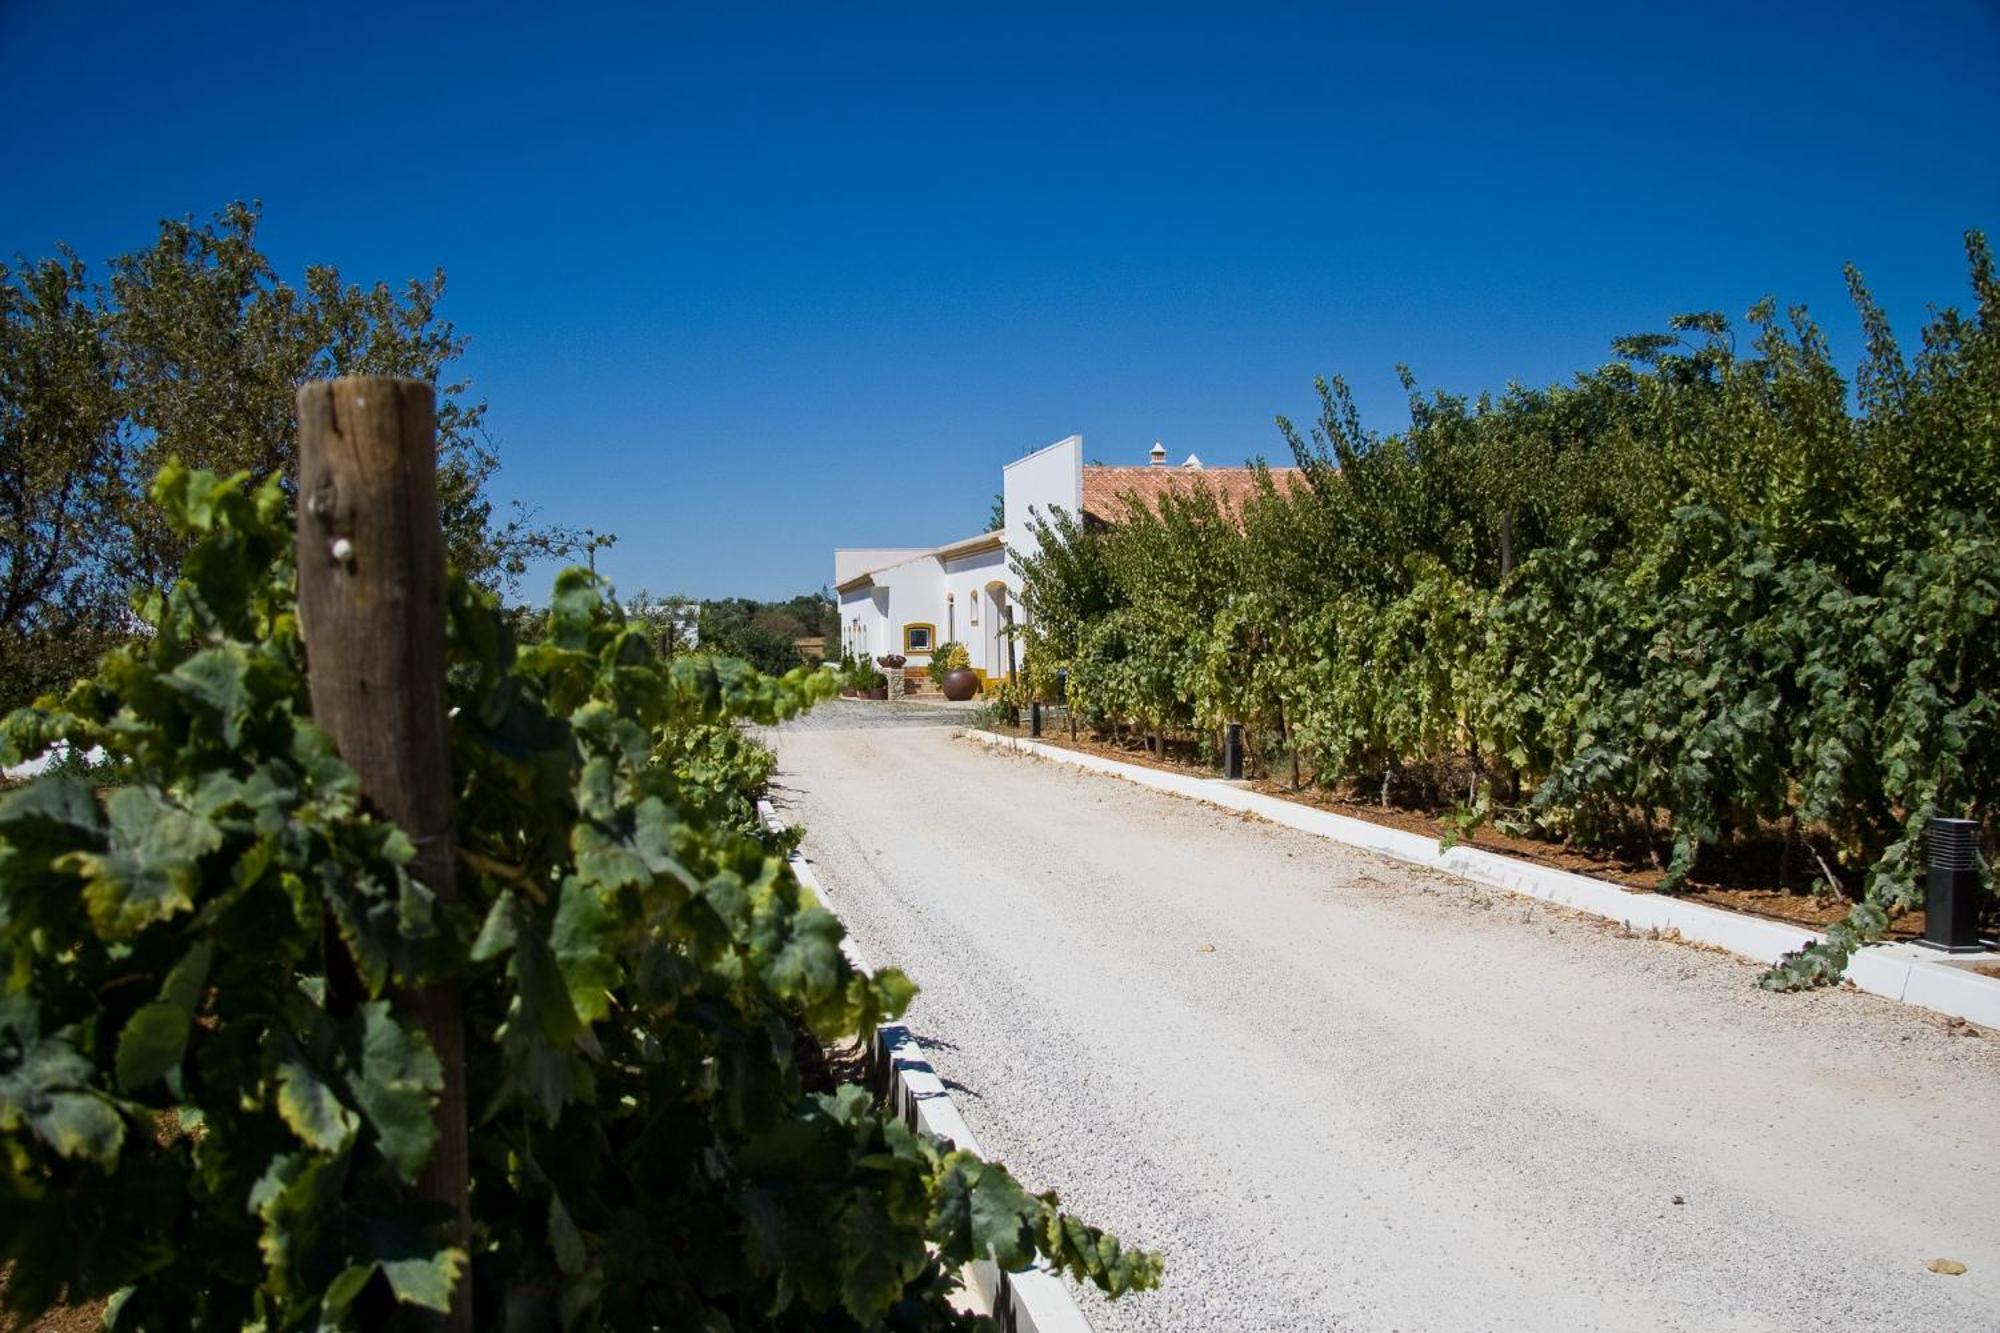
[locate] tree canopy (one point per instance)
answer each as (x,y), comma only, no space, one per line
(191,349)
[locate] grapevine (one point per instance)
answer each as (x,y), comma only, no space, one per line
(213,1106)
(1692,595)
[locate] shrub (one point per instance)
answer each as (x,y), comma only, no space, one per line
(950,656)
(997,712)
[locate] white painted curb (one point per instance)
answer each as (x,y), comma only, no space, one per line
(1030,1300)
(1902,972)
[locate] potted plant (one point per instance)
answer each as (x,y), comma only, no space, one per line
(859,680)
(951,668)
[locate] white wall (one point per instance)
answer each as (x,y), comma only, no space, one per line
(852,560)
(1035,487)
(909,584)
(863,627)
(966,579)
(1044,481)
(912,594)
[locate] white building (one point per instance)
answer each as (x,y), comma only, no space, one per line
(910,599)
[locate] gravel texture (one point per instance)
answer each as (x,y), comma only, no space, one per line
(843,714)
(1339,1092)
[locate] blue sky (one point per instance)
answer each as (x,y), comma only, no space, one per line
(748,282)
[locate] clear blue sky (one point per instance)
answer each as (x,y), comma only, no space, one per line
(746,282)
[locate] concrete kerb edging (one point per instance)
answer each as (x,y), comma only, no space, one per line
(1032,1300)
(1898,972)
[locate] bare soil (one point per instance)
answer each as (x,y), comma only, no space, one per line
(63,1319)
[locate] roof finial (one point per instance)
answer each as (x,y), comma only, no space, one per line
(1159,454)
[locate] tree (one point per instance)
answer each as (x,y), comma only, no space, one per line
(757,633)
(193,352)
(671,624)
(766,634)
(998,518)
(61,485)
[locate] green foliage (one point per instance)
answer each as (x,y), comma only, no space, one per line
(766,634)
(858,673)
(214,1101)
(1686,596)
(61,485)
(948,657)
(671,624)
(193,351)
(998,711)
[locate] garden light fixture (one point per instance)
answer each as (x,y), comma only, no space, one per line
(1952,892)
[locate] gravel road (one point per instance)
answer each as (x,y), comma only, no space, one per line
(1341,1092)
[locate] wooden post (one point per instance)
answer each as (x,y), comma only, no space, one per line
(372,612)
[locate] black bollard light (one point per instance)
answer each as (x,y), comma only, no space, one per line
(1035,718)
(1951,885)
(1232,752)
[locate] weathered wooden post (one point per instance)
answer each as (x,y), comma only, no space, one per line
(372,612)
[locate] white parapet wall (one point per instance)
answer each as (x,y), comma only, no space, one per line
(1029,1300)
(1904,972)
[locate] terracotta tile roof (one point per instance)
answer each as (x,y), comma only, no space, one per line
(1105,487)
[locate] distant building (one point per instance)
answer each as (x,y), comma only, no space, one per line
(910,599)
(685,621)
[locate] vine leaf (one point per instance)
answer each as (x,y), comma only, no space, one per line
(808,966)
(564,1239)
(498,934)
(426,1281)
(980,1212)
(581,927)
(878,1257)
(219,679)
(54,815)
(151,871)
(398,1085)
(154,1039)
(309,1106)
(47,1087)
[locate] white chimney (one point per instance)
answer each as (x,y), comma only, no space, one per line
(1159,454)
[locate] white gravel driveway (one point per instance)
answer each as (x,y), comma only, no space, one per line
(1340,1092)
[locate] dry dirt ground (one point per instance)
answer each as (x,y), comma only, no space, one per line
(1340,1092)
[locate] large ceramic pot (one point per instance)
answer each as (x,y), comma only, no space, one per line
(960,684)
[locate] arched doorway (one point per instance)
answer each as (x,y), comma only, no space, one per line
(998,616)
